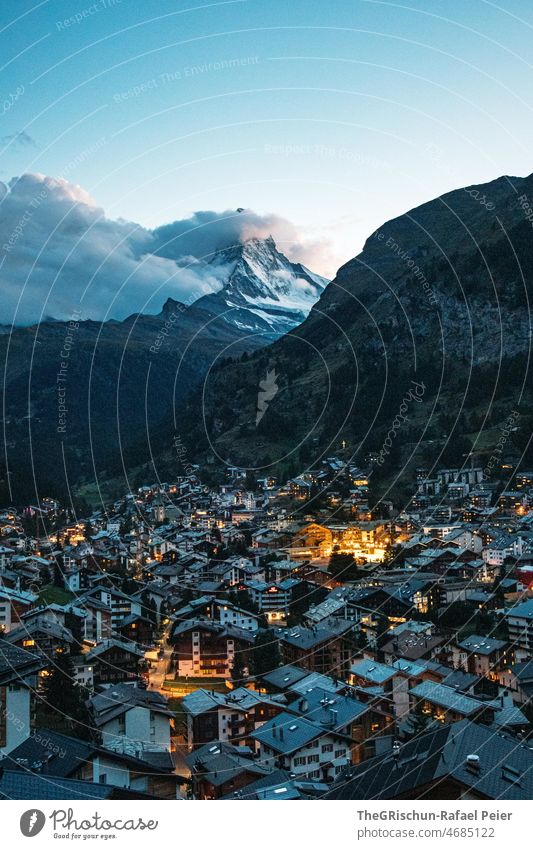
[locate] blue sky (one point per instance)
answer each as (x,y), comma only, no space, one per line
(334,115)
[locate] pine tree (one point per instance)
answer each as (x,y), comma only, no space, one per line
(266,656)
(62,701)
(238,670)
(419,720)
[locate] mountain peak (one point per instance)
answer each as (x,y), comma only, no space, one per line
(170,305)
(262,290)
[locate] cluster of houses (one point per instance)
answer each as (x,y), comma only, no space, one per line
(269,644)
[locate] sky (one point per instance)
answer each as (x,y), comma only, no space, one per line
(324,119)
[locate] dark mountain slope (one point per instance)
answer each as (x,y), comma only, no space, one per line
(439,296)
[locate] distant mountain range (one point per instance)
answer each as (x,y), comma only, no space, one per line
(439,298)
(82,398)
(418,352)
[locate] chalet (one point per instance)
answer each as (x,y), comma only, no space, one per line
(136,629)
(56,756)
(226,717)
(412,646)
(43,635)
(369,729)
(223,611)
(519,619)
(219,769)
(482,655)
(13,605)
(325,648)
(208,649)
(303,747)
(131,720)
(115,661)
(518,680)
(447,705)
(97,621)
(463,761)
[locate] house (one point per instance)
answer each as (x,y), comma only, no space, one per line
(303,747)
(13,605)
(120,604)
(482,655)
(57,756)
(18,680)
(131,720)
(272,599)
(218,610)
(391,681)
(412,646)
(226,717)
(460,761)
(506,545)
(326,647)
(97,620)
(518,679)
(368,728)
(219,769)
(447,705)
(115,661)
(519,621)
(42,634)
(208,649)
(136,629)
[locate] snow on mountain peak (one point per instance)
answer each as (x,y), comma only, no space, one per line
(261,288)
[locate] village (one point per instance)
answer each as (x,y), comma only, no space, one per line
(258,640)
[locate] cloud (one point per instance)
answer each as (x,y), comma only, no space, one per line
(206,232)
(60,254)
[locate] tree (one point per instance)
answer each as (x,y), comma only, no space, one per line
(342,567)
(266,655)
(419,720)
(238,670)
(58,572)
(62,702)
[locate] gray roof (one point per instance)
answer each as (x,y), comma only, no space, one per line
(119,698)
(330,710)
(524,610)
(23,785)
(240,699)
(283,677)
(287,733)
(373,671)
(220,762)
(306,638)
(506,767)
(16,663)
(443,696)
(481,645)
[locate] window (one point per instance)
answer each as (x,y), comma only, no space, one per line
(299,761)
(103,778)
(328,747)
(340,753)
(312,759)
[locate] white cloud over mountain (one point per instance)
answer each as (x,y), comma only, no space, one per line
(60,254)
